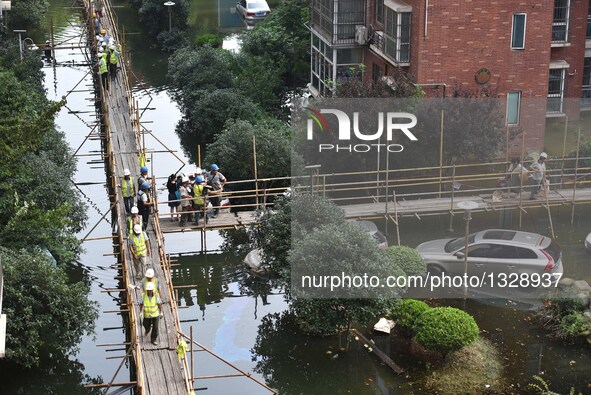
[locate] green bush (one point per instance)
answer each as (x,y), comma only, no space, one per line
(445,329)
(408,259)
(208,39)
(573,324)
(406,314)
(567,301)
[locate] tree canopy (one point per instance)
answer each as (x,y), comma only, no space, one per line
(47,314)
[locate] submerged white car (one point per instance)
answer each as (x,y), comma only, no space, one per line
(253,10)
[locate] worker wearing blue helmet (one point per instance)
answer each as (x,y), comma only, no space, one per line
(143,177)
(217,181)
(144,203)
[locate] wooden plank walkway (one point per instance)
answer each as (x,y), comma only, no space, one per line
(158,368)
(403,208)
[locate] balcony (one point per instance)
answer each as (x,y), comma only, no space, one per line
(390,49)
(335,20)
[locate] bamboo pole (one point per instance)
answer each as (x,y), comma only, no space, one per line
(572,213)
(521,178)
(451,208)
(192,357)
(564,147)
(441,152)
(254,154)
(199,155)
(396,216)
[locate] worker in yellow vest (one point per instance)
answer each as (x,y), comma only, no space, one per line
(128,190)
(150,310)
(103,68)
(150,278)
(134,219)
(140,250)
(114,61)
(199,192)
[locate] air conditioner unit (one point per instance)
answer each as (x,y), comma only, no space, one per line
(361,34)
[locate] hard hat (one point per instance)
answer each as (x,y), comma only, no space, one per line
(126,172)
(93,15)
(104,44)
(145,185)
(135,210)
(544,155)
(199,179)
(143,170)
(103,31)
(100,49)
(214,167)
(150,273)
(185,179)
(111,41)
(112,47)
(137,229)
(150,285)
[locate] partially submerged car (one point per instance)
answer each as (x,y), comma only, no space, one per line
(373,231)
(253,10)
(494,251)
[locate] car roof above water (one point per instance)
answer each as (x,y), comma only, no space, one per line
(513,237)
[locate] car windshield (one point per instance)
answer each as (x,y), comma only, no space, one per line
(456,244)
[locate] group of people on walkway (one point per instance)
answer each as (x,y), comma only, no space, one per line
(192,194)
(138,207)
(106,50)
(518,175)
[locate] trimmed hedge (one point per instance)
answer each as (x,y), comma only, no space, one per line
(407,312)
(445,329)
(408,259)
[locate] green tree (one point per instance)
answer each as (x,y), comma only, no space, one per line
(195,71)
(445,329)
(258,78)
(283,38)
(27,14)
(407,312)
(205,118)
(37,203)
(47,314)
(234,149)
(154,16)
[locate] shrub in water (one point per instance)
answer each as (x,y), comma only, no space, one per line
(407,312)
(445,329)
(573,324)
(408,259)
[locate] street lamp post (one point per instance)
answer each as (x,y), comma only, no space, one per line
(467,206)
(20,41)
(169,4)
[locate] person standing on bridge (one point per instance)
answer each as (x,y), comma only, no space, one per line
(143,176)
(98,8)
(96,23)
(128,190)
(150,310)
(103,68)
(114,61)
(173,202)
(199,192)
(217,181)
(134,220)
(150,278)
(538,173)
(144,204)
(140,250)
(186,198)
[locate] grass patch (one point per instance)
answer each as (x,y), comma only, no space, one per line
(469,370)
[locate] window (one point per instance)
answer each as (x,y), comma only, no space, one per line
(397,35)
(526,253)
(513,104)
(589,22)
(498,251)
(518,32)
(499,234)
(586,97)
(379,11)
(555,91)
(336,19)
(479,251)
(560,21)
(376,72)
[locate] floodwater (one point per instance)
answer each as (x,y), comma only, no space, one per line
(223,303)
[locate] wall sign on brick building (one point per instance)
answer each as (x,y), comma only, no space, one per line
(482,76)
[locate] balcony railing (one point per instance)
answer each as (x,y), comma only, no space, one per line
(398,53)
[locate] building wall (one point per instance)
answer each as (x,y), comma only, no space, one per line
(464,36)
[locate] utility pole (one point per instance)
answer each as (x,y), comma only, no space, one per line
(20,41)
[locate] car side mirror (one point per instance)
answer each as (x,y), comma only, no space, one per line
(459,255)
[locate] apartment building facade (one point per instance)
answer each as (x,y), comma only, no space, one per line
(536,54)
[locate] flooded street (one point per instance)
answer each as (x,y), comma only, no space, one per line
(224,303)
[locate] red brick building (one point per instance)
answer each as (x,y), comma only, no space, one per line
(532,52)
